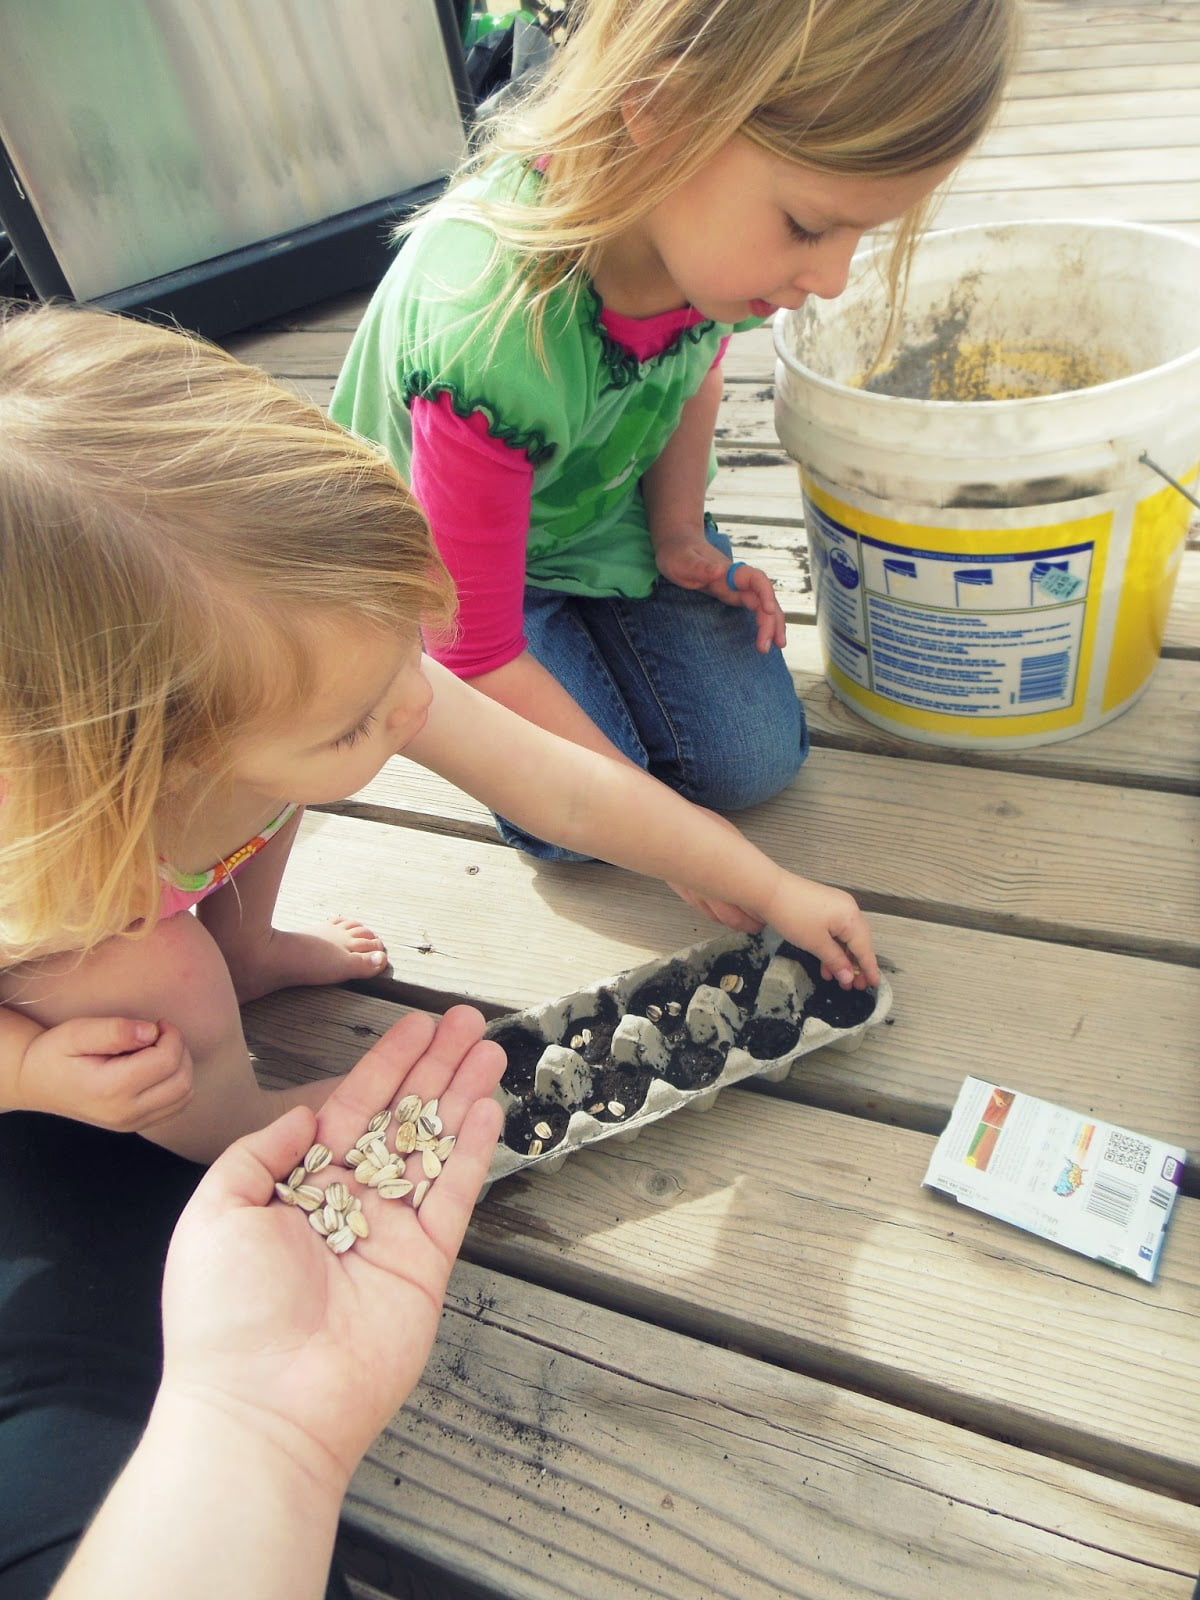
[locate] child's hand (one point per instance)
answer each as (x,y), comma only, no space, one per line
(828,923)
(113,1072)
(693,563)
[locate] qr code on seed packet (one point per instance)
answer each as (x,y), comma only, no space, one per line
(1089,1186)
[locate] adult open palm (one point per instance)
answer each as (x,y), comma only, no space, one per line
(260,1316)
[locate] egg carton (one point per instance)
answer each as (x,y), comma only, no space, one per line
(605,1062)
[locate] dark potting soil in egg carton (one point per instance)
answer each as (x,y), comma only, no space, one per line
(608,1060)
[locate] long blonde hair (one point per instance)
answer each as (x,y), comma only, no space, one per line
(170,521)
(866,88)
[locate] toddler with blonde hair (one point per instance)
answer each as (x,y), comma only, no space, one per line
(209,617)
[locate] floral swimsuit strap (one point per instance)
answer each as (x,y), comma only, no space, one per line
(200,883)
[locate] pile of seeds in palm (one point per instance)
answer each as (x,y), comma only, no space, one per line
(334,1211)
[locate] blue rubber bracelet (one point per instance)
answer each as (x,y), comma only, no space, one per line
(730,572)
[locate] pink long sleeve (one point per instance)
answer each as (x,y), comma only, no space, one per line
(476,493)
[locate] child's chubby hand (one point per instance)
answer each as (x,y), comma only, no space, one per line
(828,923)
(113,1072)
(691,562)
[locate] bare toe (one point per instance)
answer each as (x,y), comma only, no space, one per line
(355,935)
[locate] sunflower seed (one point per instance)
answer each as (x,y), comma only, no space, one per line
(429,1124)
(444,1146)
(581,1039)
(654,1013)
(358,1224)
(378,1151)
(732,983)
(543,1130)
(285,1192)
(674,1008)
(332,1218)
(316,1221)
(296,1176)
(365,1140)
(406,1138)
(354,1157)
(408,1109)
(309,1197)
(394,1189)
(317,1157)
(420,1192)
(599,1106)
(617,1108)
(338,1196)
(379,1122)
(535,1147)
(341,1241)
(384,1174)
(430,1165)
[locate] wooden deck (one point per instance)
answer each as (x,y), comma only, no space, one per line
(747,1355)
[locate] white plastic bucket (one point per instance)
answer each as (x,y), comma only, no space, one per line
(996,573)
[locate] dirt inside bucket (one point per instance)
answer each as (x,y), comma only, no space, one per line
(949,365)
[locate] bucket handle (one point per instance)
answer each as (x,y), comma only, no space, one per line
(1175,484)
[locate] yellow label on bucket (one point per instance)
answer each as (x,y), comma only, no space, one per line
(984,631)
(1160,526)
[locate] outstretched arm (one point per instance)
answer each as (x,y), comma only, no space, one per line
(559,791)
(282,1359)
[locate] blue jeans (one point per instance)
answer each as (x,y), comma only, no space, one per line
(676,683)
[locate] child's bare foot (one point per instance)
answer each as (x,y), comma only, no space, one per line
(333,952)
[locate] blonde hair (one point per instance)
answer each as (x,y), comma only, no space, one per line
(867,88)
(173,524)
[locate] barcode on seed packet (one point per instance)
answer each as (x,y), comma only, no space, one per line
(1089,1186)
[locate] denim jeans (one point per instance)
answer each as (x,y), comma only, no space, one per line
(676,683)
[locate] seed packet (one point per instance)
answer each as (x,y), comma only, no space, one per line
(1088,1185)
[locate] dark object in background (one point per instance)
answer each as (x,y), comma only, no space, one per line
(505,58)
(14,285)
(180,166)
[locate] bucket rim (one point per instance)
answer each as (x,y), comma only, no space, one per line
(914,403)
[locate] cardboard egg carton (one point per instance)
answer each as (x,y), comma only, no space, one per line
(605,1062)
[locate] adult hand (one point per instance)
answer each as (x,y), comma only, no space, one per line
(114,1072)
(312,1349)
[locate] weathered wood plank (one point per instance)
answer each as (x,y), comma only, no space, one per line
(1082,169)
(806,1238)
(1167,203)
(1106,1034)
(1082,81)
(557,1449)
(1117,105)
(1155,744)
(1050,51)
(995,850)
(1141,135)
(309,351)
